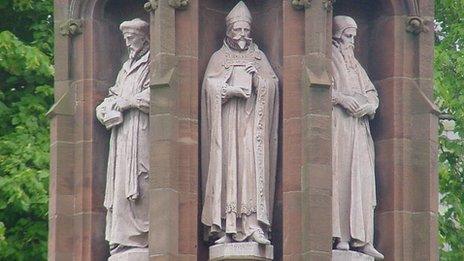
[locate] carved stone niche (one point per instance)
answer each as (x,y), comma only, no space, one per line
(395,60)
(88,62)
(110,53)
(110,42)
(266,32)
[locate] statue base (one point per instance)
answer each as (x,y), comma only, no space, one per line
(241,251)
(138,254)
(344,255)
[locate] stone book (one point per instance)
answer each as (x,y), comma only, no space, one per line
(112,118)
(361,99)
(240,77)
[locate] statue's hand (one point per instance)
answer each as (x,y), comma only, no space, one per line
(367,109)
(251,69)
(246,92)
(121,104)
(349,103)
(239,91)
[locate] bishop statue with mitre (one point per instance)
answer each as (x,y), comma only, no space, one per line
(239,120)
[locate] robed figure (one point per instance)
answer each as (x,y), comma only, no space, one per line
(354,101)
(125,113)
(239,119)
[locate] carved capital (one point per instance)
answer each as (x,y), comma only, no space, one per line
(71,27)
(328,4)
(301,4)
(151,5)
(178,4)
(417,25)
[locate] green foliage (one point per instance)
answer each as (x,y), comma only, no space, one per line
(26,78)
(449,87)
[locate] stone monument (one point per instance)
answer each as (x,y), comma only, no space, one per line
(125,113)
(240,104)
(394,45)
(355,101)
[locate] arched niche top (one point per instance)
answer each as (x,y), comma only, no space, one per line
(98,9)
(406,7)
(394,7)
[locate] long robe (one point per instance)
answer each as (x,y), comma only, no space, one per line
(126,196)
(239,146)
(354,196)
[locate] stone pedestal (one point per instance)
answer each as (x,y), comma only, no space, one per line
(131,255)
(340,255)
(241,251)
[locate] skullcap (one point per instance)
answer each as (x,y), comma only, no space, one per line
(135,26)
(341,23)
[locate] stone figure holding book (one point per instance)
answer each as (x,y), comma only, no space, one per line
(354,101)
(239,114)
(125,113)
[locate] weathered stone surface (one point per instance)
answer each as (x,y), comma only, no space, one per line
(138,254)
(339,255)
(292,223)
(241,251)
(397,61)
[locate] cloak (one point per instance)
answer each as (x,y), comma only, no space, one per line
(353,161)
(126,198)
(225,122)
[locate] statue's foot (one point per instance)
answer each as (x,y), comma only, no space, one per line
(371,251)
(343,245)
(223,240)
(258,237)
(114,249)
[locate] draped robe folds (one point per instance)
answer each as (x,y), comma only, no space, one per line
(354,196)
(126,196)
(239,146)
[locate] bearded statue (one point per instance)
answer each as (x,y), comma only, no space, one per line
(124,112)
(355,101)
(239,109)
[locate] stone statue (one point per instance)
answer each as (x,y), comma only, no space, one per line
(239,120)
(354,101)
(125,113)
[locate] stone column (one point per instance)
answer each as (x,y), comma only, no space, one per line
(174,132)
(61,189)
(307,147)
(405,133)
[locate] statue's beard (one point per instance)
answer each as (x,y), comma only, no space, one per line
(239,42)
(347,51)
(135,53)
(132,53)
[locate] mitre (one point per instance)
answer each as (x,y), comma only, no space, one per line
(239,13)
(341,23)
(135,26)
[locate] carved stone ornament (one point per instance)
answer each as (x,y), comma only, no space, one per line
(328,4)
(178,4)
(71,27)
(417,25)
(152,5)
(301,4)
